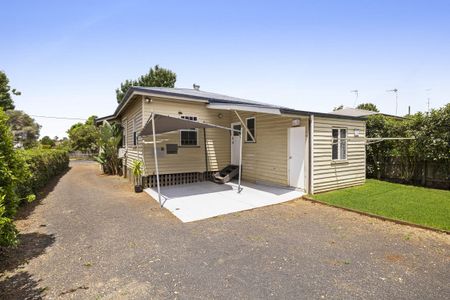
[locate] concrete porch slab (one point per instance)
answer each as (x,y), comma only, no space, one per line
(202,200)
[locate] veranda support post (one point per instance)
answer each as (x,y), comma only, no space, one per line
(156,160)
(240,161)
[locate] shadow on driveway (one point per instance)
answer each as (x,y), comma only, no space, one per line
(21,285)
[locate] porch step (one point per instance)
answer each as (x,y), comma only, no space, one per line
(226,174)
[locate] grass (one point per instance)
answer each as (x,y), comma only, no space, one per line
(419,205)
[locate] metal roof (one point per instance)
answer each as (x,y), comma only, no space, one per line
(214,98)
(361,113)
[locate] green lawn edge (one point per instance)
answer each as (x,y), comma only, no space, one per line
(405,203)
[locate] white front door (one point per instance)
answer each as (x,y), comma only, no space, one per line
(235,143)
(296,158)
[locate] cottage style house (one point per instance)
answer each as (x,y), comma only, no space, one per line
(310,151)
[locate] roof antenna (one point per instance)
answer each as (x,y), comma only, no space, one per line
(356,97)
(396,98)
(196,87)
(428,99)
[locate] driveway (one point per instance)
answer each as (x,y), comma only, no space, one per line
(90,237)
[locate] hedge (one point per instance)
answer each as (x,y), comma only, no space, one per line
(13,171)
(44,164)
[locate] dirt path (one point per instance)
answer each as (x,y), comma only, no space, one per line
(92,238)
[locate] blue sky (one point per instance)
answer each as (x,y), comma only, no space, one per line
(67,57)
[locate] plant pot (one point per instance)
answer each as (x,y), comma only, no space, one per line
(138,189)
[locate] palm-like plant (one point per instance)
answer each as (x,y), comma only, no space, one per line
(137,174)
(108,142)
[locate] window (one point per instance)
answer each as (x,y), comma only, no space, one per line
(188,137)
(250,123)
(135,136)
(339,146)
(124,133)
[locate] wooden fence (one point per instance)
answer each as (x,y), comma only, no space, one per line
(425,173)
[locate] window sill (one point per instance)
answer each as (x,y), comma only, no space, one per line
(339,162)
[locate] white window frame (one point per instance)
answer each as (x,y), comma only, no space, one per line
(339,140)
(190,118)
(247,140)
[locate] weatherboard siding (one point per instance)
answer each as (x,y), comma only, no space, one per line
(132,116)
(189,158)
(266,160)
(329,174)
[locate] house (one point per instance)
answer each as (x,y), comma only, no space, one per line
(362,113)
(311,151)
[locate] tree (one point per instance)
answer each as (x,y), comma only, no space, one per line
(6,101)
(24,128)
(83,137)
(47,142)
(338,107)
(368,106)
(156,77)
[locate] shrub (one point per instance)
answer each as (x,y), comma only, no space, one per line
(13,171)
(431,144)
(43,164)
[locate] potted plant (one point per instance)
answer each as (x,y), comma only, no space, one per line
(137,174)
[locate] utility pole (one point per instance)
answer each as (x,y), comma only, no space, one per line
(396,99)
(356,97)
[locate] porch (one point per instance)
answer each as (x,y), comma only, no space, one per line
(203,200)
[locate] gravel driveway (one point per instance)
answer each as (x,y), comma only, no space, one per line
(91,237)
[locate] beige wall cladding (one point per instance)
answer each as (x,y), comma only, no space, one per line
(329,174)
(267,159)
(189,158)
(132,118)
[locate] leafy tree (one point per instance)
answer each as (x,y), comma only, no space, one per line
(13,171)
(6,101)
(24,128)
(338,107)
(47,142)
(368,106)
(63,144)
(156,77)
(83,137)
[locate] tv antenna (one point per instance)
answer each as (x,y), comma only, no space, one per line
(396,99)
(428,99)
(356,96)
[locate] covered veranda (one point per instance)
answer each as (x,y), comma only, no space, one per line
(201,200)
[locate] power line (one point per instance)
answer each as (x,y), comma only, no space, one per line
(59,118)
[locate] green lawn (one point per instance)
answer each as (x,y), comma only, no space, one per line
(424,206)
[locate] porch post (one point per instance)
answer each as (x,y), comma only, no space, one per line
(240,162)
(156,160)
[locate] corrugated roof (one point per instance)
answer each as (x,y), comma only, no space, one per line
(214,98)
(354,112)
(360,113)
(198,94)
